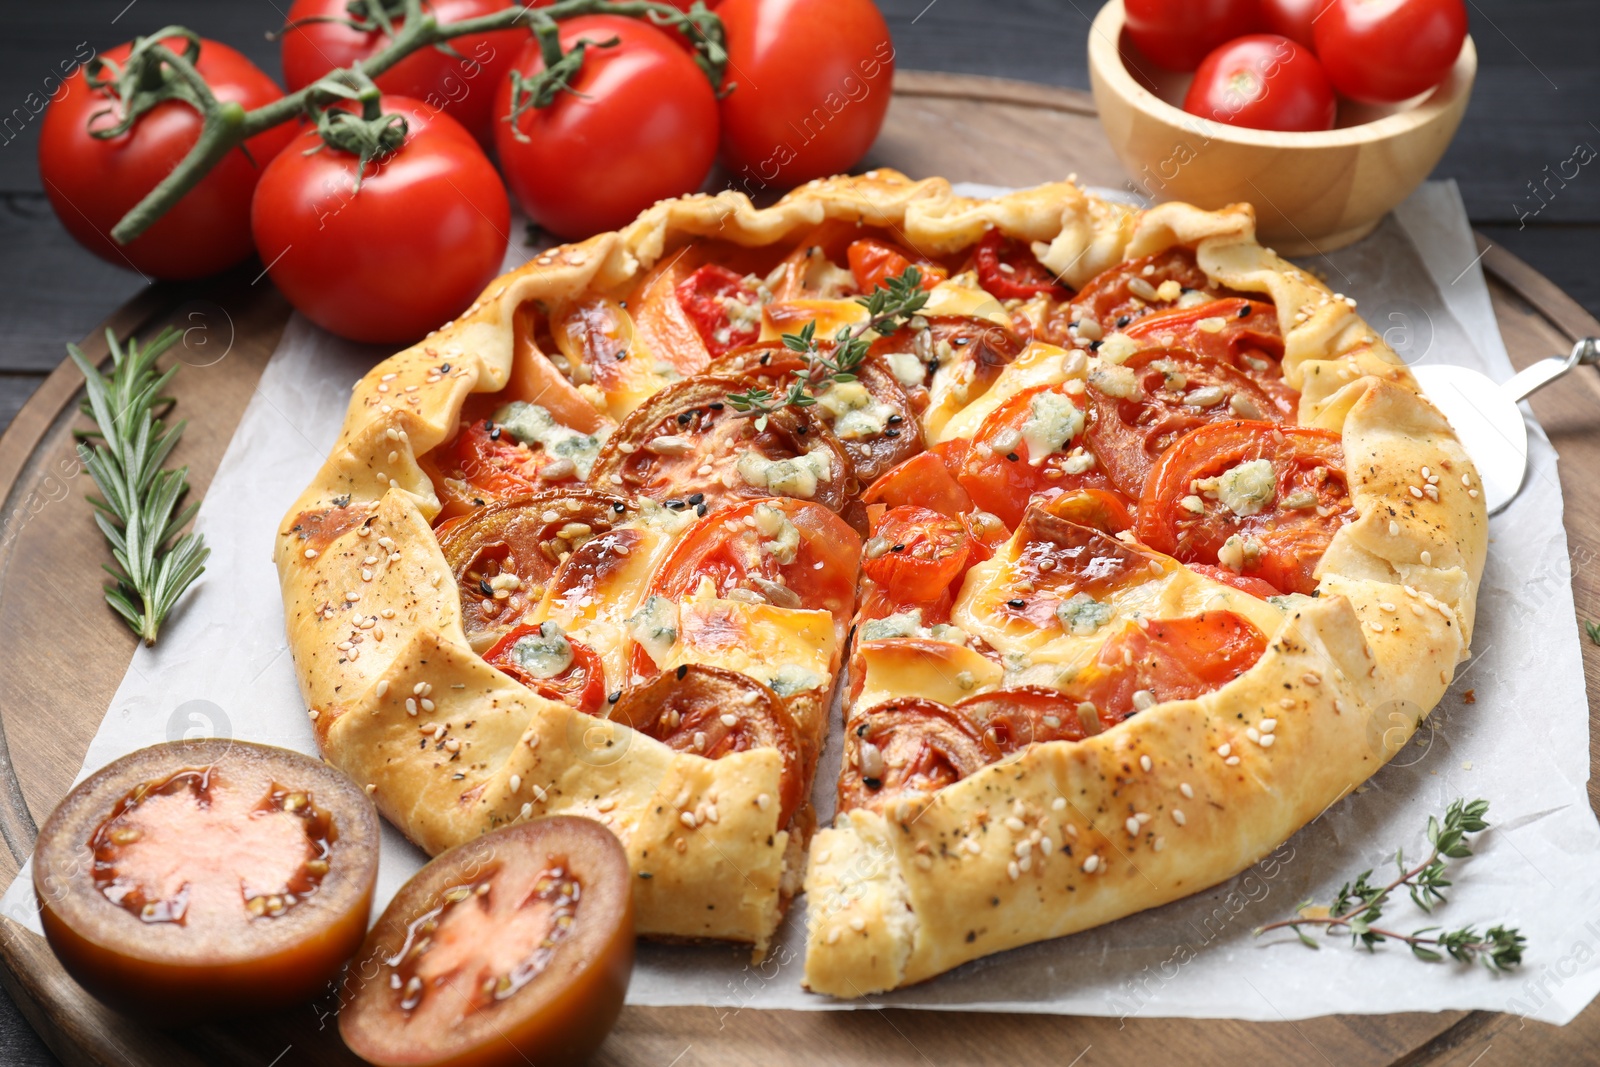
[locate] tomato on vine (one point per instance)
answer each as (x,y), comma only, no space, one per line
(461,78)
(387,249)
(98,159)
(811,83)
(606,117)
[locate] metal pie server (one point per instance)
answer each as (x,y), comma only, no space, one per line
(1486,417)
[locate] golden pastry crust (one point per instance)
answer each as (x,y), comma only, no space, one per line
(449,747)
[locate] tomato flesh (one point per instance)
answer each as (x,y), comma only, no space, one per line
(204,879)
(906,748)
(512,948)
(915,553)
(1171,659)
(1008,270)
(705,296)
(581,684)
(873,262)
(1281,543)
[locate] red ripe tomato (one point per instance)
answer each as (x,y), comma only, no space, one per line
(1384,51)
(581,684)
(463,84)
(873,262)
(1178,34)
(93,183)
(639,125)
(916,553)
(406,252)
(1294,19)
(1263,82)
(812,82)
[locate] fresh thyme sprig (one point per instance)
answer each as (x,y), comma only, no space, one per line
(138,506)
(892,303)
(1359,905)
(1593,630)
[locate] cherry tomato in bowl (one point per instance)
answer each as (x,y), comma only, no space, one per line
(461,81)
(402,254)
(510,949)
(202,879)
(1294,19)
(638,124)
(92,183)
(1385,51)
(811,84)
(1263,82)
(1178,34)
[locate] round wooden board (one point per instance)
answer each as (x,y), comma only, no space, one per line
(68,653)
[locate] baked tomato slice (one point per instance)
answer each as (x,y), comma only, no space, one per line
(1242,582)
(1030,446)
(505,555)
(1259,499)
(1239,332)
(970,352)
(1102,509)
(789,553)
(924,480)
(874,261)
(1008,270)
(1056,559)
(1118,297)
(1157,395)
(481,465)
(915,554)
(714,713)
(903,749)
(513,948)
(688,448)
(1012,719)
(725,307)
(1167,659)
(543,658)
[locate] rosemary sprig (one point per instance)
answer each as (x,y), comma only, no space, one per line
(1359,905)
(1593,630)
(137,509)
(894,301)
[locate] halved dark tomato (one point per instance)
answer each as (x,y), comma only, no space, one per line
(687,444)
(1013,719)
(749,547)
(1099,508)
(504,556)
(924,481)
(558,667)
(1118,297)
(1169,659)
(1279,497)
(724,307)
(200,879)
(1174,392)
(713,713)
(511,949)
(903,748)
(874,261)
(915,553)
(1008,270)
(1002,471)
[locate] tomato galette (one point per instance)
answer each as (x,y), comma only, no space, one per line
(1124,545)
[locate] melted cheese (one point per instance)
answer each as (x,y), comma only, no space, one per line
(788,316)
(962,297)
(780,647)
(935,670)
(1038,364)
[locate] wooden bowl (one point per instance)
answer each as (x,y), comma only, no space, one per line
(1313,192)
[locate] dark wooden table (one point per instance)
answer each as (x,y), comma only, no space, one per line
(1537,100)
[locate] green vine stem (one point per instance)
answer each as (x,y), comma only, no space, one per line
(227,125)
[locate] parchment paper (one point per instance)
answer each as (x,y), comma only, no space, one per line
(222,669)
